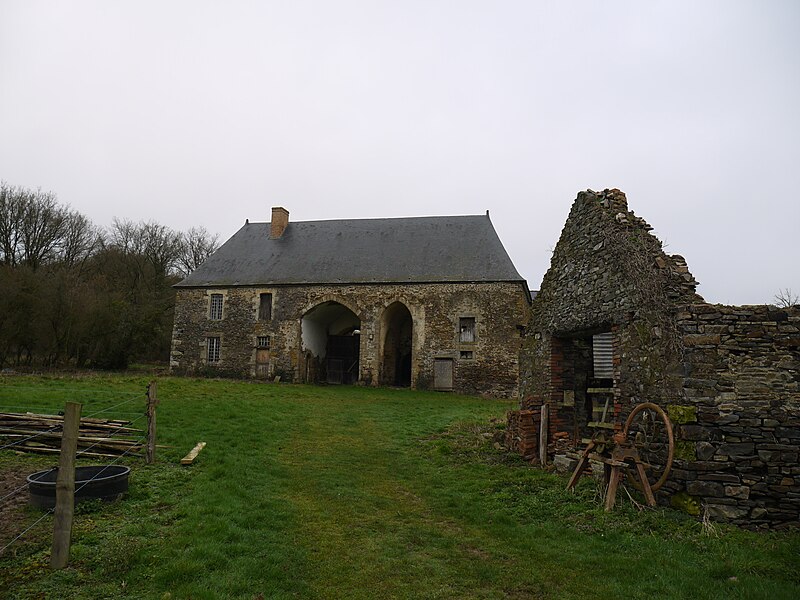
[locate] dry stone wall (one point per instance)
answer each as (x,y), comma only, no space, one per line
(738,423)
(500,312)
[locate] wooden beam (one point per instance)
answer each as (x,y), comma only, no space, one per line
(189,458)
(611,491)
(544,427)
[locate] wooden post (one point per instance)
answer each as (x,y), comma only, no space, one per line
(152,402)
(543,430)
(611,490)
(65,487)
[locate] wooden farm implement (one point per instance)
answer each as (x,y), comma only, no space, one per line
(642,452)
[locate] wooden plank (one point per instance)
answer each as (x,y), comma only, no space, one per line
(543,430)
(648,491)
(599,390)
(189,458)
(605,410)
(601,425)
(611,491)
(584,460)
(65,487)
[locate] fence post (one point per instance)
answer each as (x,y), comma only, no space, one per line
(152,402)
(65,487)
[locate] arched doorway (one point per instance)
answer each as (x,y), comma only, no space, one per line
(397,327)
(331,343)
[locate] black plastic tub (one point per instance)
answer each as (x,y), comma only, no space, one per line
(104,482)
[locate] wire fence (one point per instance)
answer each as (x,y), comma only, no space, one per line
(23,440)
(31,526)
(118,432)
(116,410)
(106,467)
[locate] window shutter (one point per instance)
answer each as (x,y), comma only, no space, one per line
(603,355)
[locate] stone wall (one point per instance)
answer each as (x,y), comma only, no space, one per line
(499,309)
(738,423)
(728,376)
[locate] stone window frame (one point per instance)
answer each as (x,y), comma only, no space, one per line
(468,355)
(210,295)
(261,306)
(213,350)
(465,318)
(257,304)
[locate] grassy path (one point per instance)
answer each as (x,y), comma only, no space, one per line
(338,492)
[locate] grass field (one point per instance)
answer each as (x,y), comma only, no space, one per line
(348,492)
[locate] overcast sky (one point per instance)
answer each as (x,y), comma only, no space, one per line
(209,113)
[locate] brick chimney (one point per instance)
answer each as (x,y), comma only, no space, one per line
(280,219)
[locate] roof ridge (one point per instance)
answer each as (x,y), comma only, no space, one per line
(417,218)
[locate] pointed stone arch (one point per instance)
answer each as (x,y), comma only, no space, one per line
(397,334)
(330,334)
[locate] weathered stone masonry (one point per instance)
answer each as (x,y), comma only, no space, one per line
(729,377)
(739,422)
(492,367)
(426,302)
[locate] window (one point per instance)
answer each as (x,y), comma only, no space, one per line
(603,355)
(262,341)
(215,307)
(466,328)
(265,307)
(467,354)
(212,348)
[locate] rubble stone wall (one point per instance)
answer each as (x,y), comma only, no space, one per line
(729,377)
(500,311)
(738,422)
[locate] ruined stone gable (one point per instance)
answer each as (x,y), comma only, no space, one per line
(728,376)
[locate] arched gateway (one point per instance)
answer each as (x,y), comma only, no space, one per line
(371,301)
(331,343)
(397,329)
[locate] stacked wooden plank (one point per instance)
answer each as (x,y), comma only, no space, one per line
(30,432)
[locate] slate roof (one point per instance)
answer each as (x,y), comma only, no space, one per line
(401,250)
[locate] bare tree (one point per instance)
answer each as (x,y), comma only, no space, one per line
(72,293)
(80,240)
(197,244)
(154,244)
(162,247)
(31,226)
(786,299)
(11,216)
(42,227)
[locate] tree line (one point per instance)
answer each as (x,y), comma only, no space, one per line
(73,293)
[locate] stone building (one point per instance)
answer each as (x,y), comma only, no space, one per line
(618,322)
(426,302)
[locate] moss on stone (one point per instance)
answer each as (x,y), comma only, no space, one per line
(686,503)
(682,414)
(685,450)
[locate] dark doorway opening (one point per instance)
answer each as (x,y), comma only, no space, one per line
(331,341)
(398,328)
(582,380)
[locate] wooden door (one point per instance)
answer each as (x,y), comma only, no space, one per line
(262,362)
(443,373)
